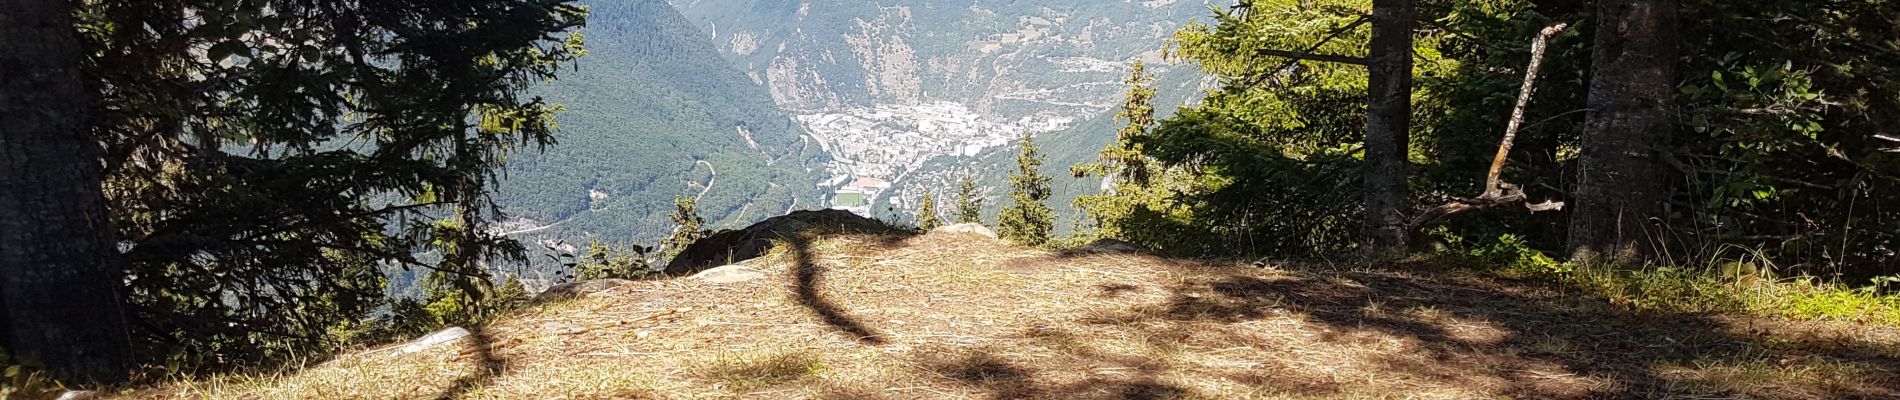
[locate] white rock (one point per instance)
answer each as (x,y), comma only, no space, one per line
(79,395)
(438,338)
(968,228)
(729,274)
(559,328)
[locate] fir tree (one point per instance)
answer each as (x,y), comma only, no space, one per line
(927,213)
(1028,221)
(688,226)
(969,206)
(1124,159)
(1132,179)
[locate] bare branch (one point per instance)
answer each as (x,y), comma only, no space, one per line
(1496,191)
(1300,55)
(1493,180)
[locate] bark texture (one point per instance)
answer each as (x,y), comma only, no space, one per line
(1388,120)
(1620,186)
(60,281)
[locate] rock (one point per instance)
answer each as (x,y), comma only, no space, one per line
(966,228)
(79,395)
(441,337)
(1109,246)
(729,247)
(560,328)
(729,274)
(574,290)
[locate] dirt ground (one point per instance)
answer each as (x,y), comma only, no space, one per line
(963,316)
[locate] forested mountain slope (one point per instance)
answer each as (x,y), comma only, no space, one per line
(652,113)
(935,87)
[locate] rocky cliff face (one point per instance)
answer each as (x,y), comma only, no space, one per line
(1006,59)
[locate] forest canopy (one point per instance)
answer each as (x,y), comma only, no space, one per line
(1774,149)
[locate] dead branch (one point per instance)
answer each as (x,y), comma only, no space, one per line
(1292,61)
(1300,55)
(1496,191)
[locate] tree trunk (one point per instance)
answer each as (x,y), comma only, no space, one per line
(1388,120)
(60,277)
(1620,181)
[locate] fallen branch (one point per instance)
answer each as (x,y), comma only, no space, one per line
(1497,192)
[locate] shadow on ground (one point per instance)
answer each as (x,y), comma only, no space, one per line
(488,366)
(1535,344)
(808,277)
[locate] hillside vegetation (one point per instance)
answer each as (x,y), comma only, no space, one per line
(651,113)
(965,316)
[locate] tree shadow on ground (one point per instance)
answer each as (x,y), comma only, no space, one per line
(981,369)
(808,279)
(488,367)
(1607,351)
(1584,336)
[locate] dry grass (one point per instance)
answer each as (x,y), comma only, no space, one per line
(950,316)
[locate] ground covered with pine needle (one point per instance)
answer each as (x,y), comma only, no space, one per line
(963,316)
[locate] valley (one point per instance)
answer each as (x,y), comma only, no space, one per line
(911,96)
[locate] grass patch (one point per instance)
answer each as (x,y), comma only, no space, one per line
(743,373)
(1703,291)
(1722,285)
(1781,378)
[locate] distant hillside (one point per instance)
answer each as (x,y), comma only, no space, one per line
(1052,66)
(652,112)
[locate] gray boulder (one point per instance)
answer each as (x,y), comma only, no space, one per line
(1109,246)
(970,228)
(575,290)
(729,274)
(729,247)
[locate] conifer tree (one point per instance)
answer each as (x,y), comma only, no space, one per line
(969,207)
(927,213)
(59,271)
(1028,221)
(1123,159)
(1129,173)
(1388,129)
(688,224)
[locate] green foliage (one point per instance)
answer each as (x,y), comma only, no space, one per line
(1138,205)
(1779,149)
(927,213)
(1124,159)
(969,204)
(652,112)
(687,227)
(259,189)
(1027,220)
(1264,165)
(605,261)
(24,379)
(1729,284)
